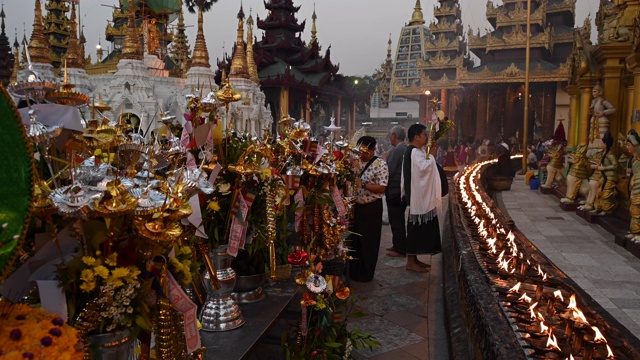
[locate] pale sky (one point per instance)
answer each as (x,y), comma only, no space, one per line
(357,30)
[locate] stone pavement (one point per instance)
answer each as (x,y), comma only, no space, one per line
(405,310)
(585,252)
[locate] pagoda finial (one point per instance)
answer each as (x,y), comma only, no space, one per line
(200,53)
(16,61)
(131,48)
(2,15)
(389,47)
(251,62)
(38,45)
(239,67)
(314,30)
(417,18)
(73,58)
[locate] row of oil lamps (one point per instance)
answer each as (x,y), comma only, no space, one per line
(512,265)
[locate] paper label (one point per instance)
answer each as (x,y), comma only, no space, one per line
(237,231)
(299,199)
(188,309)
(337,199)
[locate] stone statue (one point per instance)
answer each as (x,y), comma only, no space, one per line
(602,183)
(555,165)
(633,146)
(579,170)
(607,20)
(599,109)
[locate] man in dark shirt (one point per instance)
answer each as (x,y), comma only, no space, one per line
(395,207)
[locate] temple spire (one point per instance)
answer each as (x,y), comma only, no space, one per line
(200,52)
(73,56)
(38,44)
(239,68)
(16,60)
(131,48)
(251,62)
(417,18)
(314,31)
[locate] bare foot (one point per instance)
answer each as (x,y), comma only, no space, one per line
(424,265)
(417,268)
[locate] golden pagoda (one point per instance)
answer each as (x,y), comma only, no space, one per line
(239,67)
(251,62)
(39,49)
(131,47)
(381,95)
(73,56)
(200,52)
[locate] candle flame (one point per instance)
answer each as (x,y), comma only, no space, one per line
(572,302)
(543,328)
(598,337)
(544,277)
(525,298)
(552,342)
(533,315)
(515,288)
(510,236)
(570,357)
(610,353)
(579,316)
(558,295)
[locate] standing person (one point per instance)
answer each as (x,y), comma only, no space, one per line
(395,206)
(422,191)
(367,222)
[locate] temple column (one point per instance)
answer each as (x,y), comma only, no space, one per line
(633,63)
(339,115)
(611,56)
(482,113)
(444,101)
(307,110)
(574,113)
(586,85)
(284,102)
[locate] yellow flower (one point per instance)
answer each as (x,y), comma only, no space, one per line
(213,205)
(88,286)
(89,261)
(97,152)
(185,250)
(116,282)
(87,275)
(101,271)
(266,173)
(112,259)
(133,272)
(120,272)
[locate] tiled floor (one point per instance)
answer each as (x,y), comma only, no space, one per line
(405,310)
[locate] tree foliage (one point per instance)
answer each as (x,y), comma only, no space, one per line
(205,5)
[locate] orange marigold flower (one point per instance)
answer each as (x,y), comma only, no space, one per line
(308,299)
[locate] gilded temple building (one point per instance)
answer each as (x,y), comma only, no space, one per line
(495,88)
(427,58)
(57,29)
(297,80)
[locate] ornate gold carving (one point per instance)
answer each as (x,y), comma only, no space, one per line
(446,10)
(105,67)
(564,6)
(131,47)
(513,74)
(518,16)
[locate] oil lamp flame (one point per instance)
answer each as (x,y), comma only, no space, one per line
(610,353)
(570,357)
(598,337)
(510,236)
(572,302)
(533,315)
(515,288)
(552,342)
(558,295)
(543,328)
(525,298)
(579,316)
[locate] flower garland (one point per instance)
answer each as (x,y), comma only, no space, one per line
(34,333)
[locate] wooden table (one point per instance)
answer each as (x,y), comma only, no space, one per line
(259,318)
